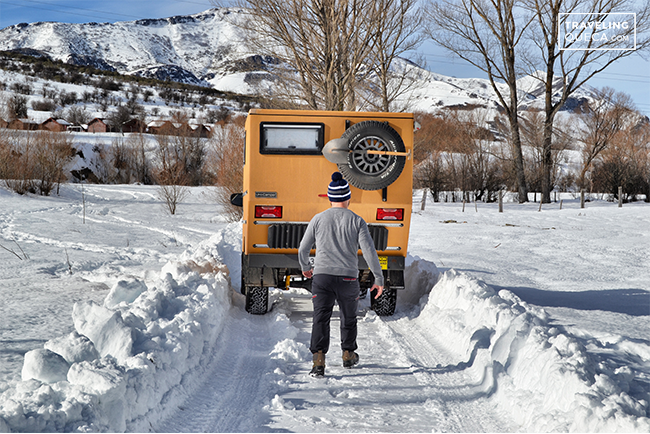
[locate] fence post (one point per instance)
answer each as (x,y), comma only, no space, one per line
(620,197)
(424,200)
(582,198)
(500,200)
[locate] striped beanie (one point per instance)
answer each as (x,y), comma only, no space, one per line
(338,190)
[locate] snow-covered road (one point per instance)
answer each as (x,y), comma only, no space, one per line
(406,381)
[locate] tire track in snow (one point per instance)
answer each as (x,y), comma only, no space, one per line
(458,389)
(405,382)
(398,386)
(233,389)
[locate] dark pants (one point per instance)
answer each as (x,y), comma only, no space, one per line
(326,290)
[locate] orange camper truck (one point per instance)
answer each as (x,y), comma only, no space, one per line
(289,159)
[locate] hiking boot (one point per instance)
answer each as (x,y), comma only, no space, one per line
(318,370)
(350,358)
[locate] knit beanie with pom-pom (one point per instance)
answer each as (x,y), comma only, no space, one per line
(339,189)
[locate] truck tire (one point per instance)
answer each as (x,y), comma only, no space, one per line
(257,300)
(369,171)
(386,303)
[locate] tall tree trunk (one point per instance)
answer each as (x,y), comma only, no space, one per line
(513,112)
(522,185)
(547,145)
(547,161)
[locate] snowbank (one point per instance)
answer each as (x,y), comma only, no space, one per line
(129,359)
(521,358)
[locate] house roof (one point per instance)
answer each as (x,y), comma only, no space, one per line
(58,121)
(157,123)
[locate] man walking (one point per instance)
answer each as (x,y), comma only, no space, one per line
(337,233)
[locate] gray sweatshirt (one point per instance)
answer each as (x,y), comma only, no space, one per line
(338,233)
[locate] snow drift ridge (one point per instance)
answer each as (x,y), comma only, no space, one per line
(524,359)
(127,359)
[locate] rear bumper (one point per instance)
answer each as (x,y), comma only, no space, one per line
(261,260)
(275,270)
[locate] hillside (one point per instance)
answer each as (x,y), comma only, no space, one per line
(209,49)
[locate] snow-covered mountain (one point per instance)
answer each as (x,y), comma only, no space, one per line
(209,49)
(192,49)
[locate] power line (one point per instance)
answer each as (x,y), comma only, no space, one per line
(72,8)
(602,75)
(74,11)
(187,1)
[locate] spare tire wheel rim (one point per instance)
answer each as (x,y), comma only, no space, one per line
(370,164)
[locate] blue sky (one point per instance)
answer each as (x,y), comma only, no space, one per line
(630,75)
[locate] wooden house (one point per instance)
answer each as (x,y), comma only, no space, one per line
(200,130)
(134,126)
(55,125)
(23,124)
(97,125)
(161,127)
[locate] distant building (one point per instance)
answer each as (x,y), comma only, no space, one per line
(200,130)
(170,128)
(23,124)
(55,125)
(97,125)
(161,127)
(134,126)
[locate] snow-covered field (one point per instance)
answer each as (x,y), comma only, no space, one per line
(515,321)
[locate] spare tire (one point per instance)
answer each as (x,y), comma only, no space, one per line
(371,171)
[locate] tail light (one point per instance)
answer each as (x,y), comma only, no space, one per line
(272,212)
(390,214)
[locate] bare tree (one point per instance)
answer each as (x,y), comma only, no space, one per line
(119,117)
(399,23)
(567,70)
(17,155)
(121,161)
(603,117)
(320,46)
(485,175)
(227,164)
(532,122)
(487,34)
(624,163)
(77,115)
(4,105)
(34,161)
(52,153)
(429,172)
(189,153)
(17,107)
(335,54)
(171,195)
(170,174)
(138,143)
